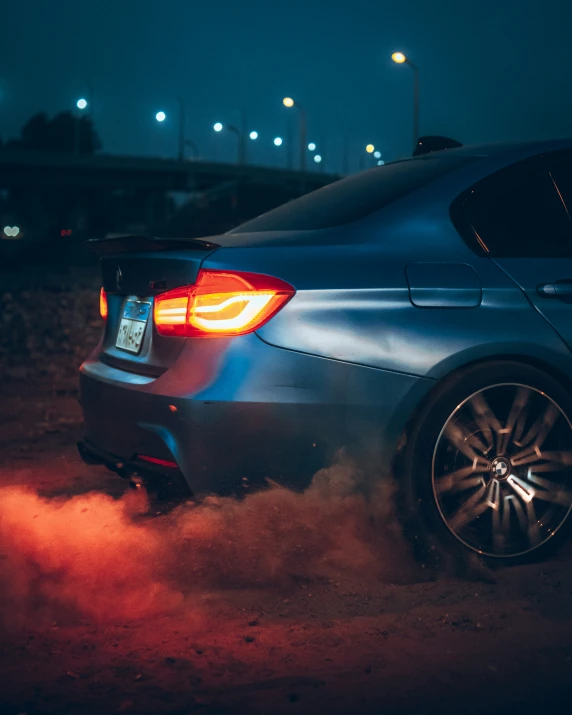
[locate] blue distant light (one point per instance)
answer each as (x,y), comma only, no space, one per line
(311,146)
(81,103)
(377,154)
(317,158)
(160,116)
(253,135)
(380,162)
(278,141)
(218,127)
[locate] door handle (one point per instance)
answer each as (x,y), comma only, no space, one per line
(558,289)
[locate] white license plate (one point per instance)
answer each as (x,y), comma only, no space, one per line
(132,327)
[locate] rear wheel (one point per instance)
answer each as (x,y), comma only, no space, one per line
(488,467)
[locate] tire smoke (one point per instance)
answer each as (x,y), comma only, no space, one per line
(98,558)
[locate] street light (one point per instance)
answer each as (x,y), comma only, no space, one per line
(253,135)
(278,141)
(400,59)
(317,158)
(239,133)
(377,154)
(370,148)
(289,102)
(81,104)
(311,146)
(162,116)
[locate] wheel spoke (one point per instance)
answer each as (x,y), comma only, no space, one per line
(551,461)
(549,491)
(459,480)
(470,510)
(468,444)
(516,419)
(541,427)
(533,531)
(493,495)
(524,490)
(485,418)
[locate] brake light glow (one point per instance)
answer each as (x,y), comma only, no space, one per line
(156,460)
(103,304)
(220,303)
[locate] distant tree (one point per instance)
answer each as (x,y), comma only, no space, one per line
(63,133)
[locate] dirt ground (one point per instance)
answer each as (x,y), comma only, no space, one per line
(327,628)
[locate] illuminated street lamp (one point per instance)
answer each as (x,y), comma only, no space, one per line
(240,135)
(400,59)
(311,146)
(161,117)
(377,154)
(81,104)
(317,158)
(370,148)
(253,135)
(278,141)
(289,102)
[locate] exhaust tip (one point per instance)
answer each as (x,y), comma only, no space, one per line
(135,482)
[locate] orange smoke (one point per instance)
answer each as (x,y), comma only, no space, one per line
(97,558)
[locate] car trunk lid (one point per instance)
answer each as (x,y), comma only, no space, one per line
(134,270)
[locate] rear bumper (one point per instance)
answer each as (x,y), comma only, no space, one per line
(233,412)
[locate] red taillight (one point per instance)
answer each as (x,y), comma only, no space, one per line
(220,303)
(103,304)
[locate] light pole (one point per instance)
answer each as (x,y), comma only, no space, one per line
(193,147)
(160,117)
(181,128)
(399,58)
(240,135)
(289,102)
(278,141)
(181,142)
(81,104)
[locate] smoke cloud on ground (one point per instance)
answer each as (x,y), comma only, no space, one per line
(102,559)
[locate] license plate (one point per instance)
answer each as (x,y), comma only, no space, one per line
(132,327)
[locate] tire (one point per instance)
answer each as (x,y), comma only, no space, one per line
(489,482)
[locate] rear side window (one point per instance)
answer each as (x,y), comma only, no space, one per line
(355,197)
(518,212)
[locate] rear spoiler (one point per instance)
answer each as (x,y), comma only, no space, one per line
(128,243)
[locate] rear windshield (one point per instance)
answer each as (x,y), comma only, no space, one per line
(354,197)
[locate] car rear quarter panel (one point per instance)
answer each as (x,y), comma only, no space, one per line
(354,304)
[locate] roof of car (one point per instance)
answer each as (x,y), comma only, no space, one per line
(524,148)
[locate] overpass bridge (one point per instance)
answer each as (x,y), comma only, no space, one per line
(59,200)
(37,170)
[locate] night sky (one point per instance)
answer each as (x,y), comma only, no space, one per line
(490,70)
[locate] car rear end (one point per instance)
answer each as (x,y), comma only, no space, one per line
(251,356)
(181,388)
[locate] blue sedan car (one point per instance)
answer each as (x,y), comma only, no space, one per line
(417,315)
